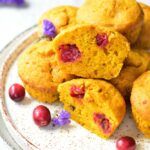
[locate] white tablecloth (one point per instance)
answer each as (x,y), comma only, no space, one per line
(15,20)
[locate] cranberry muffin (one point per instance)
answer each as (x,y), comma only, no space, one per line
(91,52)
(95,104)
(35,67)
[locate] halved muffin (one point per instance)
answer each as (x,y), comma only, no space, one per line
(95,104)
(91,52)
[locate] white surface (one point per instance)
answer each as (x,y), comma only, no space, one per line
(15,20)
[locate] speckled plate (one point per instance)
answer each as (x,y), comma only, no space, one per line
(18,116)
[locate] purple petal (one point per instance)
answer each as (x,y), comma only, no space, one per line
(9,2)
(62,119)
(63,122)
(64,115)
(60,122)
(49,28)
(55,121)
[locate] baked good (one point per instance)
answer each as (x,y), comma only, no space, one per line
(61,17)
(125,16)
(91,52)
(35,65)
(144,37)
(140,103)
(137,62)
(95,104)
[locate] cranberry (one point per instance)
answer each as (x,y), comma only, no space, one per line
(102,122)
(126,143)
(41,115)
(16,92)
(77,91)
(69,53)
(102,40)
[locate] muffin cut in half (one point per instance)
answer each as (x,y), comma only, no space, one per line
(91,52)
(95,104)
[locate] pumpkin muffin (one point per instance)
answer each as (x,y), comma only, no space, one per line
(35,67)
(61,17)
(137,62)
(140,102)
(125,16)
(144,37)
(95,104)
(91,52)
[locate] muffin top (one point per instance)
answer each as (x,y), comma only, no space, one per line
(34,65)
(37,66)
(119,14)
(61,17)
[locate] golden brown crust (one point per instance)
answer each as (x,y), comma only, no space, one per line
(61,17)
(36,67)
(140,96)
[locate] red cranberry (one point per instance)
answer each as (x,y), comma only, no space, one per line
(102,39)
(41,115)
(126,143)
(69,53)
(77,91)
(16,92)
(102,122)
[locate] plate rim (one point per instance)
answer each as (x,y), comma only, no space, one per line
(3,110)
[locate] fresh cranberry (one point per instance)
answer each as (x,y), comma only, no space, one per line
(126,143)
(16,92)
(102,39)
(41,115)
(69,53)
(77,91)
(102,122)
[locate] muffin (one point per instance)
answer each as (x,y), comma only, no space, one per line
(35,67)
(91,52)
(140,103)
(144,37)
(95,104)
(125,16)
(61,17)
(137,62)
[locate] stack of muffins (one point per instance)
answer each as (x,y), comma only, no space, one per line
(88,58)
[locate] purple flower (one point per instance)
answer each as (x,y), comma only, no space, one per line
(62,119)
(49,29)
(13,2)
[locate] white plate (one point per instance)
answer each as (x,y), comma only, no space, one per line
(18,116)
